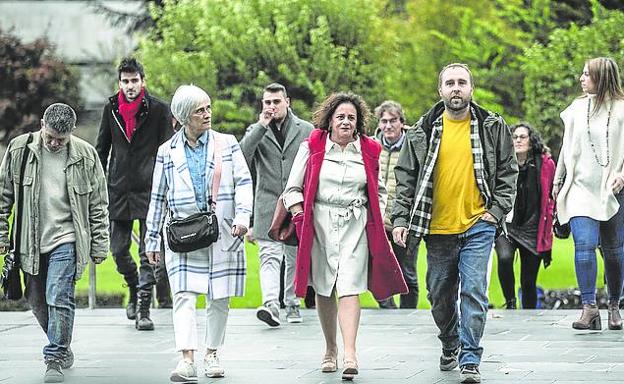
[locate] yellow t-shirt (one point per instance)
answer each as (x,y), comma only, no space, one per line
(457,202)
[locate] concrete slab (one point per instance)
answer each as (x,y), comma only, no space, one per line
(395,346)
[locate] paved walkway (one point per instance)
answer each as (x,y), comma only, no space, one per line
(394,347)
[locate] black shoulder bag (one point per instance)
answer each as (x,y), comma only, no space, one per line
(201,229)
(11,276)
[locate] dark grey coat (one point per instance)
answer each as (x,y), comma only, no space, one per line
(270,166)
(131,162)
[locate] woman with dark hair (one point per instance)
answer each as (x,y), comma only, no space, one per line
(588,185)
(336,197)
(529,225)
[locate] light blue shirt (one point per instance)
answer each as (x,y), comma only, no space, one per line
(196,159)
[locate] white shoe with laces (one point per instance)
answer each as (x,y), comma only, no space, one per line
(212,365)
(184,372)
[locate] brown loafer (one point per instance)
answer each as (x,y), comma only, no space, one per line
(350,370)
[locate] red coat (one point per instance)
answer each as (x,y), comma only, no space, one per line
(547,205)
(384,274)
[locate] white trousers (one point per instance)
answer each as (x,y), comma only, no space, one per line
(185,321)
(271,255)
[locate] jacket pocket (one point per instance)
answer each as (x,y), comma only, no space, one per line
(83,189)
(228,242)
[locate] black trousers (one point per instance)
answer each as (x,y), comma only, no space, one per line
(529,268)
(121,238)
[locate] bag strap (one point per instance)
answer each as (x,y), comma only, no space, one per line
(20,204)
(216,179)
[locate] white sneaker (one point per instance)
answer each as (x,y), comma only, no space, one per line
(212,365)
(184,372)
(293,315)
(269,314)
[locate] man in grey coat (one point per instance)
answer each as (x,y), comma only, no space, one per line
(270,146)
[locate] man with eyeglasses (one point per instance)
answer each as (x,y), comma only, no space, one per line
(456,181)
(270,146)
(63,223)
(391,134)
(134,124)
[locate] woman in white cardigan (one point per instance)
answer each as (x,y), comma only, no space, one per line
(182,182)
(588,185)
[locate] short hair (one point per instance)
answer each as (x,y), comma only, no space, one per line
(60,118)
(184,101)
(322,116)
(276,87)
(537,145)
(605,74)
(130,65)
(391,107)
(455,65)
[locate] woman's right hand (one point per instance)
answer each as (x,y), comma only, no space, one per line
(555,191)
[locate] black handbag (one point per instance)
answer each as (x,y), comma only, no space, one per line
(561,231)
(11,275)
(201,229)
(194,232)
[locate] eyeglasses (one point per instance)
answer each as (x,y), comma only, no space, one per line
(520,137)
(386,121)
(202,111)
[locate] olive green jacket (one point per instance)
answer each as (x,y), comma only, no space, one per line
(88,200)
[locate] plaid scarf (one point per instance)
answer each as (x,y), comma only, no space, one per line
(420,218)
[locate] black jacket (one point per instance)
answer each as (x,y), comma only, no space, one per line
(131,162)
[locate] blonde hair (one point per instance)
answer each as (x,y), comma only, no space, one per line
(605,74)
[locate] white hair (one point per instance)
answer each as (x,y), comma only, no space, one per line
(185,99)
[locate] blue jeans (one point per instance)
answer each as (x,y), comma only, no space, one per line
(51,297)
(588,234)
(453,260)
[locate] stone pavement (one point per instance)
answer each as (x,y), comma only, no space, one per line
(395,346)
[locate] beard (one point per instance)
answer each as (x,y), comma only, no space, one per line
(456,103)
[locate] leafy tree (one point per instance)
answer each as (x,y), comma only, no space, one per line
(552,70)
(32,78)
(234,48)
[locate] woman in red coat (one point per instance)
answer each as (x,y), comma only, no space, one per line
(529,226)
(336,197)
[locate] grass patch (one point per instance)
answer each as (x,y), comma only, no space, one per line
(560,275)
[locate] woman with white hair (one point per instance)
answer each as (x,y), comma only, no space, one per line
(182,186)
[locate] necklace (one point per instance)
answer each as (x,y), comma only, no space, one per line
(593,147)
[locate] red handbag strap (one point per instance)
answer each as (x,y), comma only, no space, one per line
(216,179)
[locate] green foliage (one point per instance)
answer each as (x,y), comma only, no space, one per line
(31,78)
(233,49)
(552,70)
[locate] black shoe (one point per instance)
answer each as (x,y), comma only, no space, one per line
(448,359)
(469,374)
(511,304)
(387,304)
(54,373)
(68,361)
(143,321)
(131,308)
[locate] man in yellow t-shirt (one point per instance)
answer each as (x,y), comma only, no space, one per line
(456,180)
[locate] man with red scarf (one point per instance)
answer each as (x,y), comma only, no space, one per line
(133,126)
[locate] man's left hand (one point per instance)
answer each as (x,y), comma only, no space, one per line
(487,216)
(98,260)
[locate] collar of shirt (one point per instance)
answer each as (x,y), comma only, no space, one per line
(202,139)
(396,146)
(354,146)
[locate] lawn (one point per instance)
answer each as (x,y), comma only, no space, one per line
(559,275)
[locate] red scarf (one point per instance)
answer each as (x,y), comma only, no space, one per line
(128,111)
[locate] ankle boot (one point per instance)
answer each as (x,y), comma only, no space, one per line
(131,308)
(590,318)
(143,321)
(615,320)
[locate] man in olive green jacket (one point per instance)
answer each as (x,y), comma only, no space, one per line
(63,223)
